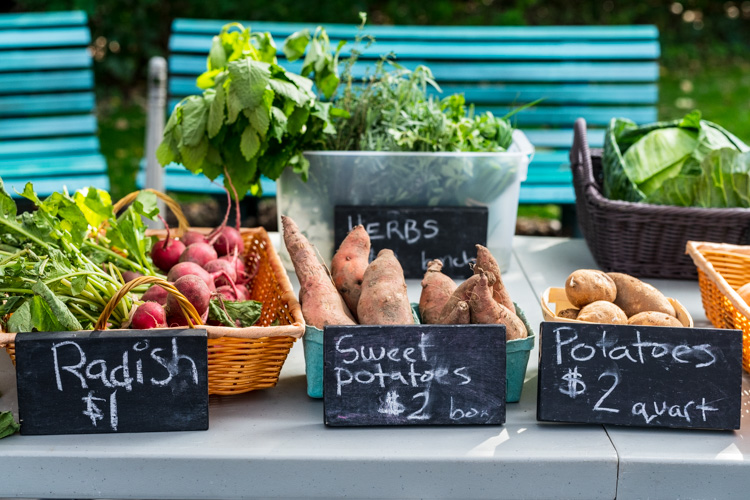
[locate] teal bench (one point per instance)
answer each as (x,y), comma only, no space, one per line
(48,129)
(580,71)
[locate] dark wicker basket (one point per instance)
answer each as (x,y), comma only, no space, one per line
(642,239)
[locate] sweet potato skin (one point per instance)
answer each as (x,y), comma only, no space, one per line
(384,300)
(461,293)
(485,310)
(487,263)
(349,264)
(436,290)
(321,303)
(459,315)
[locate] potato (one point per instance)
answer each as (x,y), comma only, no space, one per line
(634,296)
(569,313)
(602,311)
(585,286)
(653,318)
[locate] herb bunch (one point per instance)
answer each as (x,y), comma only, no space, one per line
(253,118)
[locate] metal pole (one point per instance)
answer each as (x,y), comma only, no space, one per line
(157,102)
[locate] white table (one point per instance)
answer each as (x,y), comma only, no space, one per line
(273,443)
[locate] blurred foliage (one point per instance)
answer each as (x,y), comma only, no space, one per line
(127,33)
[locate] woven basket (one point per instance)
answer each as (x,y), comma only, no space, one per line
(642,239)
(554,300)
(245,359)
(722,269)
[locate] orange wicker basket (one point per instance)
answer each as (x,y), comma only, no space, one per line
(245,359)
(722,269)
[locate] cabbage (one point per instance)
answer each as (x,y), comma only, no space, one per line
(688,162)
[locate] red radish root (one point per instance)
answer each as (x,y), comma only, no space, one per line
(149,315)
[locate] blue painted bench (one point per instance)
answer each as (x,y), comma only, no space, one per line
(48,130)
(581,71)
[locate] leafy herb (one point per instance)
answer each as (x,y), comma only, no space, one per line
(241,313)
(8,425)
(254,118)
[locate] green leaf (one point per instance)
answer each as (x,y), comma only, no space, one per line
(194,119)
(289,90)
(96,206)
(78,284)
(266,47)
(249,143)
(165,153)
(8,425)
(216,113)
(217,56)
(249,80)
(297,120)
(193,156)
(61,315)
(278,123)
(295,44)
(246,312)
(234,104)
(21,320)
(145,204)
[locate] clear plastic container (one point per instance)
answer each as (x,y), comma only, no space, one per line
(406,179)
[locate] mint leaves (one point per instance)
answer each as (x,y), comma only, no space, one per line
(253,118)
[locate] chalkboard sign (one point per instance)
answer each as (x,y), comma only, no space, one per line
(414,375)
(419,234)
(112,381)
(640,375)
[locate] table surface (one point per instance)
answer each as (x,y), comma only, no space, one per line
(273,443)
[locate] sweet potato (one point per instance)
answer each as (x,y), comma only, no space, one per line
(384,300)
(459,315)
(461,293)
(485,310)
(321,303)
(349,264)
(436,290)
(487,263)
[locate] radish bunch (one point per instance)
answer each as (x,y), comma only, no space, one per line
(201,267)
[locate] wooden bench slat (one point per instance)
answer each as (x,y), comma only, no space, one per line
(48,126)
(440,50)
(178,178)
(565,115)
(44,59)
(513,33)
(630,72)
(48,147)
(57,37)
(48,185)
(533,194)
(561,138)
(43,104)
(40,19)
(48,81)
(582,93)
(32,168)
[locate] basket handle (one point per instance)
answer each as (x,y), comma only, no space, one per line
(182,223)
(193,318)
(580,155)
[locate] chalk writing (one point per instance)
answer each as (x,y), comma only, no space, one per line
(387,375)
(626,374)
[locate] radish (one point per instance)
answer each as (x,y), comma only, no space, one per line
(177,318)
(149,315)
(190,237)
(216,266)
(187,268)
(200,253)
(155,294)
(128,276)
(226,239)
(167,254)
(195,290)
(232,294)
(245,271)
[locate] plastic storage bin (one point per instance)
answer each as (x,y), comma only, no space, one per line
(516,358)
(406,179)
